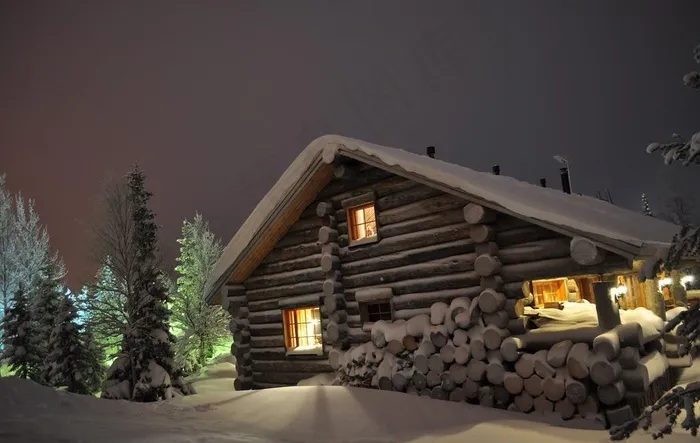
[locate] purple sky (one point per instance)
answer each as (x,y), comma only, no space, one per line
(216,98)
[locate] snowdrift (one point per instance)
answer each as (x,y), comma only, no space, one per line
(30,413)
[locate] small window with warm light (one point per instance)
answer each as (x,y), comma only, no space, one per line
(302,331)
(362,223)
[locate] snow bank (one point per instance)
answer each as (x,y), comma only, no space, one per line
(31,414)
(584,314)
(325,379)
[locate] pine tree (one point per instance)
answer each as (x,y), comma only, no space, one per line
(646,207)
(8,262)
(19,350)
(47,301)
(69,361)
(147,360)
(94,371)
(202,325)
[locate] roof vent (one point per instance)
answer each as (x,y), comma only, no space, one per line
(543,182)
(430,150)
(496,170)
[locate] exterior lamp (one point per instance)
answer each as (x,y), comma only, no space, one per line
(618,291)
(687,280)
(665,282)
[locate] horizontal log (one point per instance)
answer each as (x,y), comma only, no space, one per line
(358,200)
(406,197)
(525,234)
(339,190)
(424,300)
(475,214)
(300,301)
(305,223)
(306,262)
(297,238)
(428,284)
(272,316)
(405,314)
(270,341)
(556,267)
(286,290)
(411,256)
(281,354)
(285,278)
(413,240)
(445,266)
(420,209)
(261,386)
(236,290)
(585,252)
(534,251)
(266,329)
(292,252)
(436,220)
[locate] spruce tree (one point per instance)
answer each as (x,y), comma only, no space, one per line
(19,349)
(147,360)
(70,362)
(646,207)
(47,301)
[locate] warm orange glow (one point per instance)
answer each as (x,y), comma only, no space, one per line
(363,223)
(549,291)
(302,329)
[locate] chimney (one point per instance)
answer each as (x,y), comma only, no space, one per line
(565,186)
(543,182)
(430,151)
(496,170)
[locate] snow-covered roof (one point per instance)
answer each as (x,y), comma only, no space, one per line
(621,230)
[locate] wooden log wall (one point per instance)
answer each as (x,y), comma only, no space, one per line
(235,302)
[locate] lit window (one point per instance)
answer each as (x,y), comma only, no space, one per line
(375,311)
(362,223)
(302,331)
(549,291)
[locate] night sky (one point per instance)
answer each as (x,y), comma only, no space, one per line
(215,98)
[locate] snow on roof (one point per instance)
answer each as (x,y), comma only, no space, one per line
(574,213)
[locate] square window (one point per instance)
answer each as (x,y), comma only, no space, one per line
(362,223)
(375,311)
(302,330)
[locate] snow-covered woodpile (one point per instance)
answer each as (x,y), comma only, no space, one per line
(451,353)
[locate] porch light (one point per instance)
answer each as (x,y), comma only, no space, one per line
(618,291)
(687,279)
(668,281)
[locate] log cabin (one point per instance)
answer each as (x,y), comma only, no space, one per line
(355,236)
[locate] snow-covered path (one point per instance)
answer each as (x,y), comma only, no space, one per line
(30,413)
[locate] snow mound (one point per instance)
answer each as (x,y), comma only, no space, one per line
(311,414)
(584,314)
(324,379)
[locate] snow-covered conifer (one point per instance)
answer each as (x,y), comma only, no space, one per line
(47,300)
(69,361)
(19,350)
(146,367)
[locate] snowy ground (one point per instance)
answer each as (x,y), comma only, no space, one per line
(31,413)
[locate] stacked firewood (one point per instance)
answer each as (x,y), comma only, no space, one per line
(451,354)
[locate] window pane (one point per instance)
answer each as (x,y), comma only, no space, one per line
(303,327)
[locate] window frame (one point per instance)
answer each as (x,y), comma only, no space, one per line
(287,324)
(364,311)
(351,205)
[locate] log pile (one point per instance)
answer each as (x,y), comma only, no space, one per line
(234,301)
(450,353)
